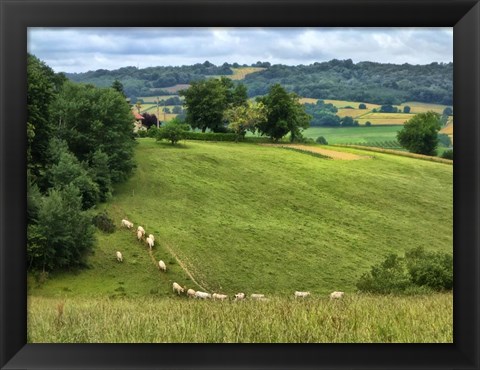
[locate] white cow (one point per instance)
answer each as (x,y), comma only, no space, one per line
(220,297)
(127,224)
(149,242)
(151,237)
(202,295)
(336,295)
(162,266)
(141,229)
(257,296)
(119,257)
(139,235)
(239,296)
(177,288)
(301,294)
(191,293)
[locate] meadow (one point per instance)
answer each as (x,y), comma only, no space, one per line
(231,217)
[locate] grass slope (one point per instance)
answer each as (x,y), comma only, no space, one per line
(243,217)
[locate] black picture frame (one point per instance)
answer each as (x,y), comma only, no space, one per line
(17,16)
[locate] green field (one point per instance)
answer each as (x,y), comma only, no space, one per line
(242,217)
(350,135)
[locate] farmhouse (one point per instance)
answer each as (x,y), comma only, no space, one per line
(138,123)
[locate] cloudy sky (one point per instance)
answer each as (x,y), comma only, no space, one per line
(84,49)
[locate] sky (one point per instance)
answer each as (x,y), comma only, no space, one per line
(88,49)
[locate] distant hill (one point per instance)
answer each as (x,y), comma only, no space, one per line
(337,79)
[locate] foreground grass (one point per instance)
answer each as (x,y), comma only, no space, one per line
(356,319)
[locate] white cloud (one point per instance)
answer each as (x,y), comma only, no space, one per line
(82,49)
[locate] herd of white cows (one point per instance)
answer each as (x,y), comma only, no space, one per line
(177,288)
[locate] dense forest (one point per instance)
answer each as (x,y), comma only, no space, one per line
(337,79)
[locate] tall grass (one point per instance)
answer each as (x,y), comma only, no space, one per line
(355,319)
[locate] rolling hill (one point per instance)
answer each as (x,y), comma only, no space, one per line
(242,217)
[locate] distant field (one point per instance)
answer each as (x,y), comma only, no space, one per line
(353,104)
(176,88)
(240,73)
(417,107)
(385,118)
(350,135)
(153,99)
(354,113)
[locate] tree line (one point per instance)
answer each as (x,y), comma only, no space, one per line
(336,79)
(80,144)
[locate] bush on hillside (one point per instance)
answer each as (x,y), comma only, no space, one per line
(321,140)
(448,154)
(418,271)
(104,222)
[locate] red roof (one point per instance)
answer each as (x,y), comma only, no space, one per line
(138,116)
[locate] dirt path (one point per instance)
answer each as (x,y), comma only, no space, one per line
(183,266)
(333,154)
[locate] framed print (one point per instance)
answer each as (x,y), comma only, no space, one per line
(176,191)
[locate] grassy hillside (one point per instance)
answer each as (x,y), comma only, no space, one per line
(242,217)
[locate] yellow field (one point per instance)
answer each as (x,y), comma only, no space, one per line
(354,113)
(240,73)
(307,100)
(417,107)
(354,104)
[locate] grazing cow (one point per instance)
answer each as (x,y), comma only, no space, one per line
(119,257)
(162,266)
(127,224)
(221,297)
(149,242)
(202,295)
(336,295)
(177,288)
(151,237)
(257,296)
(139,235)
(141,229)
(191,293)
(239,296)
(301,294)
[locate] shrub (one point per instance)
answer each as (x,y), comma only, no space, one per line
(418,272)
(321,140)
(368,123)
(142,133)
(448,154)
(211,136)
(152,131)
(104,222)
(362,106)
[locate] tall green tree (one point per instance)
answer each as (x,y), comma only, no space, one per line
(245,117)
(118,86)
(284,114)
(91,119)
(62,235)
(42,87)
(67,170)
(420,133)
(206,102)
